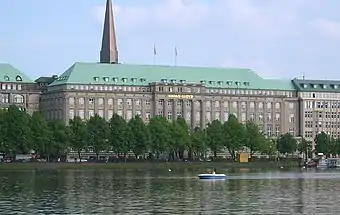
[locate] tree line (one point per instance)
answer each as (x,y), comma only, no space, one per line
(21,133)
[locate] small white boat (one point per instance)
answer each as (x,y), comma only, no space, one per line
(212,176)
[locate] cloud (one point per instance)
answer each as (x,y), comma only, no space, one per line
(173,13)
(327,27)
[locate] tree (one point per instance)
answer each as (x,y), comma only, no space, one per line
(98,133)
(254,139)
(234,135)
(41,133)
(197,142)
(60,138)
(286,144)
(304,147)
(18,133)
(179,139)
(4,146)
(120,135)
(78,135)
(140,138)
(269,148)
(214,133)
(159,128)
(322,143)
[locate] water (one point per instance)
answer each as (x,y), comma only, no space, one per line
(163,192)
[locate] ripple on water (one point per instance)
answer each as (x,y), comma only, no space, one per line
(104,192)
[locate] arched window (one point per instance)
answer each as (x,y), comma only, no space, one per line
(18,99)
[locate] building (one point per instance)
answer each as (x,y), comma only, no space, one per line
(199,95)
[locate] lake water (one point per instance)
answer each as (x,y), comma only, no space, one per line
(163,192)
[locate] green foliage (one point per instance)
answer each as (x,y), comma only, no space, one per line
(286,144)
(160,138)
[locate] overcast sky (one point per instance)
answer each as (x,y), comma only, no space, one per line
(277,39)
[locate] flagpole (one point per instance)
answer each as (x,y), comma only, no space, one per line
(154,53)
(175,56)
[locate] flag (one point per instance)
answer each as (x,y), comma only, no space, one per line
(175,51)
(154,50)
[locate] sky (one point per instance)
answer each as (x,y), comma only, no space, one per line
(276,39)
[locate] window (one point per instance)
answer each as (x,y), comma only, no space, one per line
(208,104)
(139,113)
(148,115)
(160,113)
(217,115)
(100,101)
(71,102)
(225,116)
(120,101)
(110,102)
(91,113)
(269,131)
(179,103)
(147,102)
(198,116)
(291,117)
(179,114)
(129,101)
(243,117)
(81,114)
(217,104)
(101,113)
(120,112)
(277,117)
(291,131)
(291,105)
(260,105)
(71,114)
(260,117)
(234,104)
(269,105)
(252,117)
(138,102)
(91,101)
(208,116)
(269,117)
(252,104)
(243,105)
(109,114)
(188,116)
(169,115)
(277,131)
(188,103)
(277,105)
(129,114)
(225,104)
(19,99)
(169,103)
(161,102)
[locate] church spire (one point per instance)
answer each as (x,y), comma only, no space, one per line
(109,52)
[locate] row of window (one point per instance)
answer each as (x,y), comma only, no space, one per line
(17,99)
(322,115)
(309,124)
(327,95)
(10,86)
(217,104)
(321,104)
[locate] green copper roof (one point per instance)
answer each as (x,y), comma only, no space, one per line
(10,74)
(124,74)
(317,85)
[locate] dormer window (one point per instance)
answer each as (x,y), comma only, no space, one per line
(115,79)
(314,86)
(324,86)
(182,81)
(164,80)
(203,82)
(229,83)
(246,83)
(304,85)
(220,82)
(335,86)
(143,80)
(124,80)
(106,79)
(96,78)
(6,78)
(134,80)
(238,83)
(173,81)
(18,78)
(212,82)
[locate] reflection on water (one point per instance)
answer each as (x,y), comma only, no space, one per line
(177,192)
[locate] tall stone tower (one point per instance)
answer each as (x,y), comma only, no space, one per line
(109,51)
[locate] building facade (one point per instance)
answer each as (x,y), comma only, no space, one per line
(199,95)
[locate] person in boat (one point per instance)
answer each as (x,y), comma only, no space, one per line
(213,171)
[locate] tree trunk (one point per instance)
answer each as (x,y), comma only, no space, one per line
(79,155)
